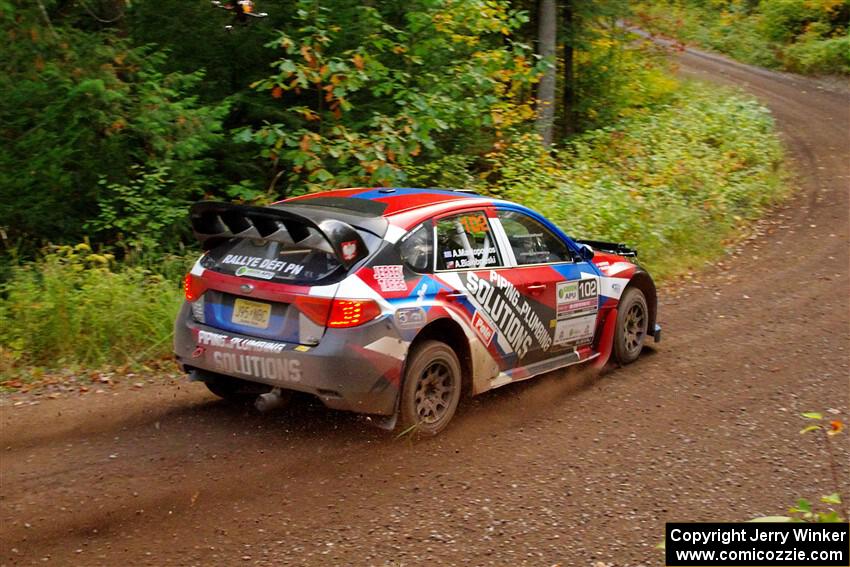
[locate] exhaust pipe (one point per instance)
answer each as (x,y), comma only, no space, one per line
(277,398)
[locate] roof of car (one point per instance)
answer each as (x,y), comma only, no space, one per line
(385,201)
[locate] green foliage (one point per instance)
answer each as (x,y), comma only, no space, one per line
(804,510)
(807,36)
(77,306)
(616,75)
(676,182)
(445,76)
(142,210)
(815,55)
(84,114)
(109,130)
(448,171)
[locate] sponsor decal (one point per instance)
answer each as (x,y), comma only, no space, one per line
(254,273)
(576,298)
(390,278)
(236,355)
(349,250)
(482,328)
(577,305)
(410,317)
(510,313)
(264,268)
(302,348)
(575,331)
(276,369)
(567,291)
(218,340)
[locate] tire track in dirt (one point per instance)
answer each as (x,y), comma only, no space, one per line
(566,469)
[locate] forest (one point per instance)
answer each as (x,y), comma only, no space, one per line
(117,115)
(810,37)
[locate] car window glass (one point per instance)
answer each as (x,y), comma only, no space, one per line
(532,242)
(416,249)
(293,263)
(465,241)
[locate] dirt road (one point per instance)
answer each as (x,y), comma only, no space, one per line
(568,470)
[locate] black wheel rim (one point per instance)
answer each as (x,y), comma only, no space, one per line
(634,327)
(434,390)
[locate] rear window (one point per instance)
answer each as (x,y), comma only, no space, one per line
(277,261)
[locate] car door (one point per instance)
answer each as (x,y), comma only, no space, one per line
(465,253)
(558,298)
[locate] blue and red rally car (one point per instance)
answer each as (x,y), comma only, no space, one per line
(396,302)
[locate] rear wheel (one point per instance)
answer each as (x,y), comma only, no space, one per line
(632,325)
(431,389)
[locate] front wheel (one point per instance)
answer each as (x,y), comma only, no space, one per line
(431,389)
(632,324)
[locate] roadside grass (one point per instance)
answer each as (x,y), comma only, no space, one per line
(76,308)
(680,182)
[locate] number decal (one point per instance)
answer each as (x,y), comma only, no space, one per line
(587,289)
(474,223)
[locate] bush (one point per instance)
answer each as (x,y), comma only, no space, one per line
(674,183)
(814,55)
(807,36)
(92,128)
(74,307)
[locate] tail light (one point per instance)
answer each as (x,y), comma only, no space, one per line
(337,313)
(193,287)
(314,308)
(352,312)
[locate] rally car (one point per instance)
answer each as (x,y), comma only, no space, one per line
(397,302)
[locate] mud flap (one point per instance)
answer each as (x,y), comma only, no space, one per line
(606,341)
(385,422)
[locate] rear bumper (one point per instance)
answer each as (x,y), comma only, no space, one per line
(355,369)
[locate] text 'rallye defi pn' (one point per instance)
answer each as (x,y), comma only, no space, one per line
(395,302)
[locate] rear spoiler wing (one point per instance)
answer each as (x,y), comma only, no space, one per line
(215,222)
(611,247)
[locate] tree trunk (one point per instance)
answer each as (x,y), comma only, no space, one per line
(569,94)
(547,38)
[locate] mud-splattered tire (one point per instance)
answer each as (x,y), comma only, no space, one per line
(632,325)
(431,389)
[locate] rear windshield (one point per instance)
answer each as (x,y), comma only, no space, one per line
(273,261)
(276,261)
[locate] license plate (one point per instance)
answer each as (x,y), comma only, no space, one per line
(251,313)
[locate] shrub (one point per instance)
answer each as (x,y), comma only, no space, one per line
(75,306)
(88,122)
(815,55)
(676,183)
(808,36)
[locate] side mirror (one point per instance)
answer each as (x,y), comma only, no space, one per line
(585,252)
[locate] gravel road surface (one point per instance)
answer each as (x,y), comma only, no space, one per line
(568,469)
